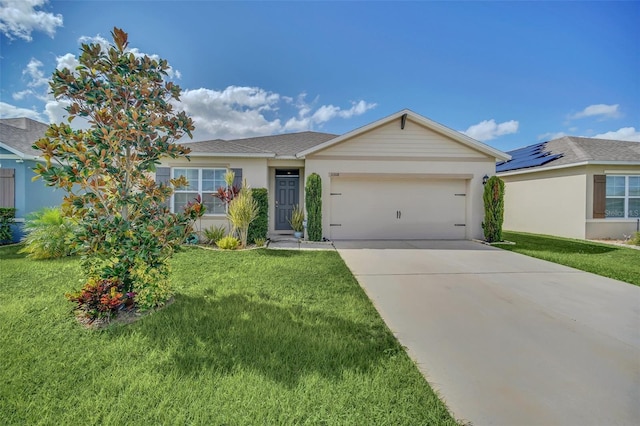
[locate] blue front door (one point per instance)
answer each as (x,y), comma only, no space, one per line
(287,196)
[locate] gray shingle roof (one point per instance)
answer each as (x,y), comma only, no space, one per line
(284,145)
(21,133)
(574,150)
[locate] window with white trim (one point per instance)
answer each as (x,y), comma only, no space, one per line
(203,182)
(622,197)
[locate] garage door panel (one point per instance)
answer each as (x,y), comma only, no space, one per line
(397,209)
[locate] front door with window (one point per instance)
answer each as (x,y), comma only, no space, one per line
(287,197)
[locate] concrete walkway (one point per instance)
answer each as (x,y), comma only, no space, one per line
(507,339)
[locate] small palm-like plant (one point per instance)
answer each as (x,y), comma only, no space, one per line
(48,234)
(242,211)
(297,219)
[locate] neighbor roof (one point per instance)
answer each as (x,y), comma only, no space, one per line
(284,145)
(570,151)
(18,134)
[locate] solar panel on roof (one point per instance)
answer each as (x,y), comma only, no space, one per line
(529,156)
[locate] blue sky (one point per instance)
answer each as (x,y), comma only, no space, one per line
(507,73)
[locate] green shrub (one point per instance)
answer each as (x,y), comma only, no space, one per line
(313,201)
(493,209)
(214,233)
(260,225)
(151,285)
(49,234)
(260,242)
(242,211)
(7,214)
(635,239)
(228,243)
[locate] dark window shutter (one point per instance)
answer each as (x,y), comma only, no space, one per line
(7,187)
(599,196)
(163,175)
(237,180)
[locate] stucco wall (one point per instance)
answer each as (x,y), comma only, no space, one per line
(477,168)
(254,170)
(609,228)
(560,202)
(552,202)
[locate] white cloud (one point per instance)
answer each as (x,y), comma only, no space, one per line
(306,120)
(35,73)
(489,129)
(622,134)
(234,112)
(598,110)
(18,19)
(551,135)
(67,60)
(12,111)
(239,112)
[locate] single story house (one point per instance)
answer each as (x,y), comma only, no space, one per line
(573,187)
(401,177)
(17,160)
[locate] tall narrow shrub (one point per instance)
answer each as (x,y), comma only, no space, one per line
(493,209)
(242,211)
(260,226)
(313,201)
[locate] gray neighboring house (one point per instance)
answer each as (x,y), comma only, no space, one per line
(17,159)
(573,187)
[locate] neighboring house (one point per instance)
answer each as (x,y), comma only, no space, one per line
(403,176)
(573,187)
(17,159)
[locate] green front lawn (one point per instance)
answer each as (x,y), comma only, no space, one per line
(620,263)
(254,337)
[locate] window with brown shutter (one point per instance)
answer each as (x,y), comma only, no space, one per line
(7,187)
(599,196)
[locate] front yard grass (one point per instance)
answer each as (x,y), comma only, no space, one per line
(254,337)
(620,263)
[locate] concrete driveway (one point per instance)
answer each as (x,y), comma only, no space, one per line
(504,338)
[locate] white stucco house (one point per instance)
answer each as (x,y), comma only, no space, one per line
(573,187)
(403,176)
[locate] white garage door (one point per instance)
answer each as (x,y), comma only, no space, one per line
(370,208)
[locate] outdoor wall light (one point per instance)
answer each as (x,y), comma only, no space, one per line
(485,178)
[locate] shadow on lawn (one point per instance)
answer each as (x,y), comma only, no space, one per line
(205,336)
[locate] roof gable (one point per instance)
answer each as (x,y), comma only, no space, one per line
(451,143)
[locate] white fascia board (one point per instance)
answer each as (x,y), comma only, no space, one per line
(232,154)
(12,149)
(430,124)
(566,166)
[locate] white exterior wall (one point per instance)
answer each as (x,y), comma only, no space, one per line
(551,203)
(254,170)
(609,228)
(560,202)
(474,205)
